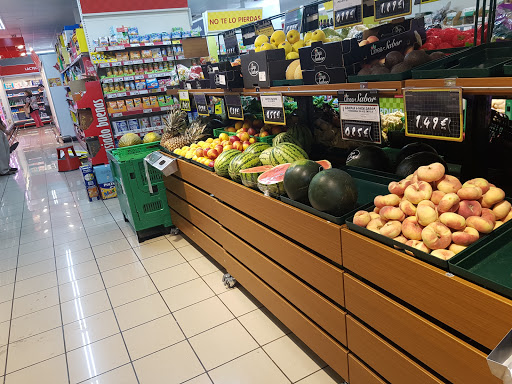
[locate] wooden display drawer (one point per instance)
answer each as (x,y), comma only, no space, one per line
(481,315)
(319,309)
(320,274)
(389,362)
(438,349)
(313,232)
(315,338)
(360,373)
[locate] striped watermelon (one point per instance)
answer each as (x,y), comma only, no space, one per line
(271,181)
(222,162)
(250,176)
(257,148)
(242,161)
(265,156)
(286,153)
(285,137)
(302,134)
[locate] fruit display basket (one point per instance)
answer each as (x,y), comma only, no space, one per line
(489,265)
(444,264)
(482,61)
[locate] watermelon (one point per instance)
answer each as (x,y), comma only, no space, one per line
(303,135)
(265,156)
(242,161)
(285,137)
(411,163)
(411,149)
(222,162)
(257,148)
(286,153)
(298,176)
(250,176)
(369,156)
(333,191)
(271,181)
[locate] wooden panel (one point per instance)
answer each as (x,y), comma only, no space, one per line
(197,176)
(324,346)
(323,312)
(452,358)
(447,298)
(360,374)
(321,274)
(385,359)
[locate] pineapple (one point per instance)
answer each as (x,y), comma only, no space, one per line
(192,134)
(175,124)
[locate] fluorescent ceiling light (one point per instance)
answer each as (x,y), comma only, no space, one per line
(2,26)
(23,54)
(45,51)
(20,46)
(31,49)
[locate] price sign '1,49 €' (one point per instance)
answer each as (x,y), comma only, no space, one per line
(434,113)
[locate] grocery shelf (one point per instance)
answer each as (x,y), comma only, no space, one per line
(15,89)
(135,77)
(122,47)
(22,105)
(73,62)
(496,86)
(134,93)
(141,130)
(14,96)
(135,62)
(141,111)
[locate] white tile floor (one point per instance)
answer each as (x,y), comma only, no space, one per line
(81,301)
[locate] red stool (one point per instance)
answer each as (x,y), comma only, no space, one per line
(66,162)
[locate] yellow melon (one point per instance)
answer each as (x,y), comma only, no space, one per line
(290,71)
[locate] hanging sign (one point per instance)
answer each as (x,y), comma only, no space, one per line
(231,42)
(231,19)
(273,108)
(201,104)
(360,115)
(184,100)
(310,18)
(293,20)
(347,13)
(264,27)
(387,9)
(248,34)
(234,107)
(434,113)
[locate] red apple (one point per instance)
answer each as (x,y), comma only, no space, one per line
(263,134)
(238,145)
(219,148)
(243,129)
(199,152)
(251,131)
(244,136)
(212,154)
(234,138)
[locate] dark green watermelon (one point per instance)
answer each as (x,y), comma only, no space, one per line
(333,191)
(410,164)
(297,179)
(369,156)
(411,149)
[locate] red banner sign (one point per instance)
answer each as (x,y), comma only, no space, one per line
(102,6)
(18,69)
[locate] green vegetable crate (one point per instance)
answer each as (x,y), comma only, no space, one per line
(266,139)
(147,212)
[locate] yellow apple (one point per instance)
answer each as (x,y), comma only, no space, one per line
(286,46)
(257,49)
(308,36)
(292,56)
(318,35)
(267,47)
(293,36)
(277,38)
(297,45)
(260,40)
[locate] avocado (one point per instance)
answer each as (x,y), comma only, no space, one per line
(393,58)
(416,58)
(379,70)
(400,67)
(437,55)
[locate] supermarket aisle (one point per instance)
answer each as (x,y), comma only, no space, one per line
(82,302)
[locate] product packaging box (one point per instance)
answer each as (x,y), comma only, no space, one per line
(129,105)
(161,100)
(331,55)
(90,182)
(146,102)
(137,103)
(256,67)
(121,106)
(107,190)
(323,75)
(153,101)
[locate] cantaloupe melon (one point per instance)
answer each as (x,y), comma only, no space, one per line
(298,73)
(290,71)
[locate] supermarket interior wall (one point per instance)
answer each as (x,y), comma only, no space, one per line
(56,95)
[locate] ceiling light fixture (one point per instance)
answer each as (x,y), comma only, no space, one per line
(21,46)
(23,54)
(2,26)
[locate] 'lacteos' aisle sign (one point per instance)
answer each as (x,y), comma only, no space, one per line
(386,9)
(234,107)
(184,100)
(273,108)
(201,104)
(347,13)
(360,115)
(434,113)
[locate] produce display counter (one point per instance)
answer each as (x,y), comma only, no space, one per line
(374,314)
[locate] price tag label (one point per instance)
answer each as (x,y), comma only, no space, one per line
(273,108)
(152,75)
(360,115)
(386,9)
(104,65)
(264,27)
(128,78)
(347,13)
(184,100)
(231,42)
(234,106)
(121,94)
(248,34)
(128,62)
(149,60)
(116,79)
(147,110)
(310,17)
(188,85)
(135,45)
(201,104)
(139,77)
(149,44)
(143,91)
(117,114)
(137,62)
(101,49)
(111,95)
(434,113)
(116,48)
(166,108)
(118,64)
(222,79)
(158,59)
(293,20)
(108,81)
(134,93)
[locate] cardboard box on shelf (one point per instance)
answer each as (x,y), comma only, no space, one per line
(90,182)
(255,67)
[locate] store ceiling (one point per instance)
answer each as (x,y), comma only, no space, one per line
(38,21)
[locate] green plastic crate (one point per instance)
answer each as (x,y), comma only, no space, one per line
(144,210)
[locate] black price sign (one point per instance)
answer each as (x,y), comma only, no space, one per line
(347,13)
(184,100)
(234,107)
(248,34)
(201,104)
(273,108)
(293,20)
(231,42)
(434,113)
(360,115)
(264,27)
(386,9)
(310,18)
